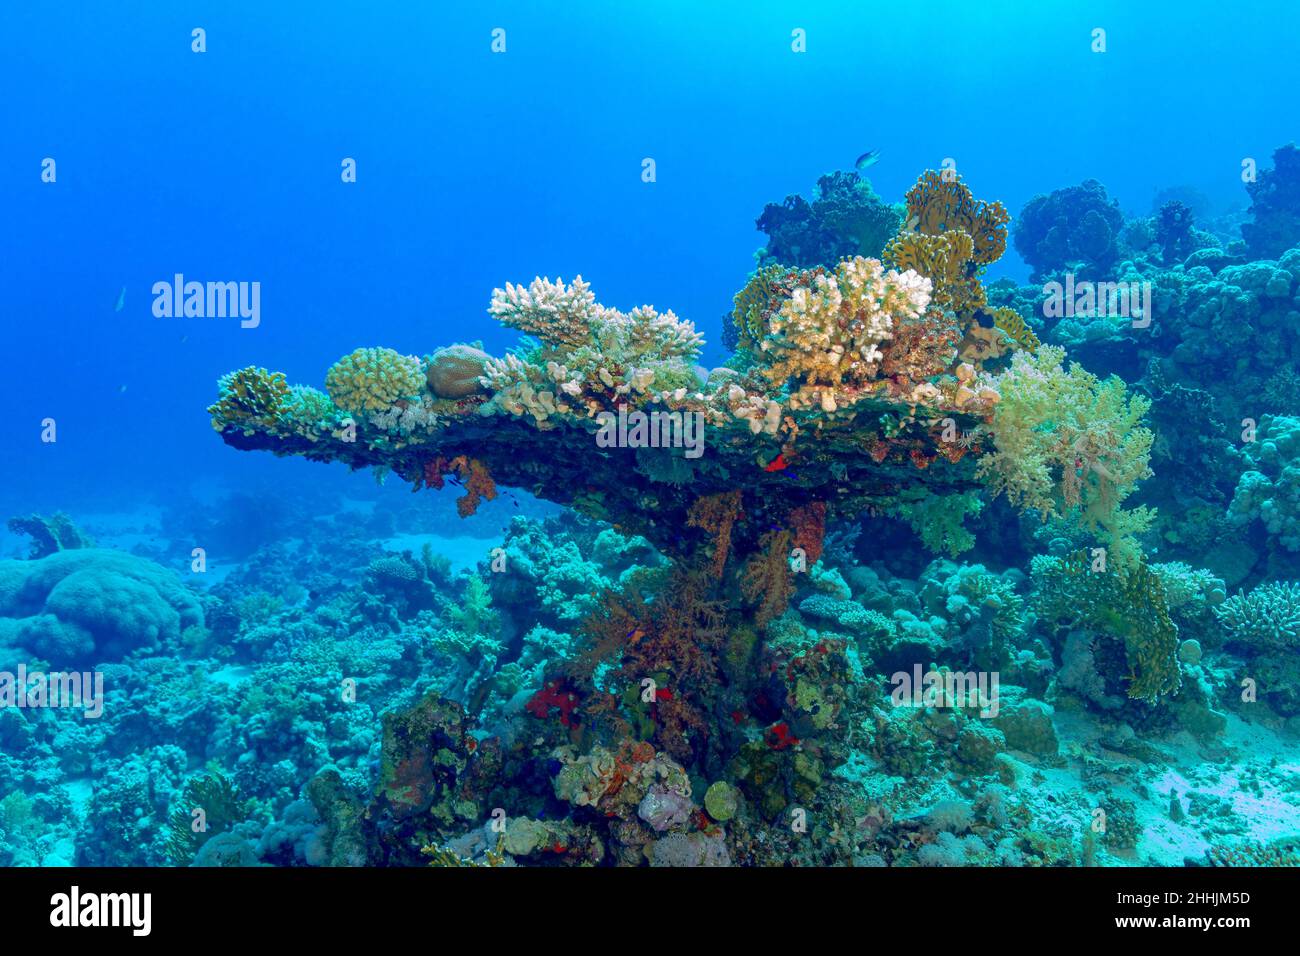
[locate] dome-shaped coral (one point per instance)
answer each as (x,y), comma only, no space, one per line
(91,605)
(454,371)
(372,380)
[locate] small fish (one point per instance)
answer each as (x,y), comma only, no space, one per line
(121,300)
(777,464)
(867,160)
(122,390)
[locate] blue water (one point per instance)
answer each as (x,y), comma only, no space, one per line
(475,169)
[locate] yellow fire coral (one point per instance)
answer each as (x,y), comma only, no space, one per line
(946,261)
(251,399)
(753,301)
(371,381)
(827,334)
(940,203)
(1066,441)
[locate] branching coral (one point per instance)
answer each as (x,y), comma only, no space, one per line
(373,380)
(1267,617)
(1067,442)
(826,336)
(592,357)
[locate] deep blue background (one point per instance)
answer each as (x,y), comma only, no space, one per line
(476,168)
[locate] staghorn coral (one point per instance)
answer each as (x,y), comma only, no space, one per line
(372,380)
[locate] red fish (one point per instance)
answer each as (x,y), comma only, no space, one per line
(777,464)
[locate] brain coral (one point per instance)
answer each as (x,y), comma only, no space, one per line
(454,371)
(91,605)
(372,380)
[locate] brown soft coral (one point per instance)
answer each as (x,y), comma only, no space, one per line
(677,635)
(765,581)
(716,514)
(808,523)
(937,204)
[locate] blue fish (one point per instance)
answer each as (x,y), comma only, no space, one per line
(867,160)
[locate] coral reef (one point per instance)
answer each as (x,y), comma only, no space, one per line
(1073,229)
(846,218)
(1275,206)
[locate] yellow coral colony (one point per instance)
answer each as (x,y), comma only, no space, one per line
(372,381)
